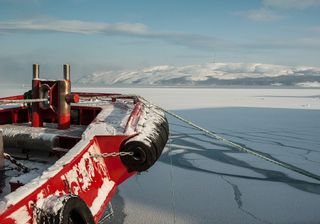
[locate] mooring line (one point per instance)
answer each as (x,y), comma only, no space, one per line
(244,149)
(23,101)
(215,136)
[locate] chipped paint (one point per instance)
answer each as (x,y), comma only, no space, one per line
(77,172)
(103,192)
(21,215)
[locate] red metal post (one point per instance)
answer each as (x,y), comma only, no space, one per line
(1,155)
(36,119)
(64,90)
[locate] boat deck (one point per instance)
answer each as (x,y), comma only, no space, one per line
(38,148)
(35,148)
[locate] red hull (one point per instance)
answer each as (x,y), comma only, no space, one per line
(79,171)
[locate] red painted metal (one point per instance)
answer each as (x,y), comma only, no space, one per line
(64,121)
(85,94)
(72,98)
(36,111)
(60,98)
(64,89)
(18,97)
(108,168)
(111,169)
(78,171)
(134,117)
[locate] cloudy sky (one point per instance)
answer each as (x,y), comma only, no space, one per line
(125,34)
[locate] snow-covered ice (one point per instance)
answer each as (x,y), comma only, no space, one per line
(195,98)
(198,180)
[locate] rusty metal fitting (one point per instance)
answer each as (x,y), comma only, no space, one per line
(36,70)
(72,98)
(66,72)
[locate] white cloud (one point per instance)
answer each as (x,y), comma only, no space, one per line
(291,4)
(138,30)
(270,10)
(260,15)
(121,29)
(73,26)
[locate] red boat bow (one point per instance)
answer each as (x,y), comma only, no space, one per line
(90,143)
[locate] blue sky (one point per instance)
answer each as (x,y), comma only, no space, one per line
(125,34)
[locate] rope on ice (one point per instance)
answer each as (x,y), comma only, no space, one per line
(215,136)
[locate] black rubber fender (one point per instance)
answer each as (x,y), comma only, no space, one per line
(165,125)
(164,136)
(147,149)
(160,137)
(72,209)
(144,155)
(159,140)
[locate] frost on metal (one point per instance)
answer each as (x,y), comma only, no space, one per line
(51,205)
(110,121)
(21,215)
(92,179)
(40,138)
(102,193)
(148,125)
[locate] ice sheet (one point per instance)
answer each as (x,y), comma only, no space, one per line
(211,183)
(192,98)
(198,180)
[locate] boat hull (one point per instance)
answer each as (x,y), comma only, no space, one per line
(88,171)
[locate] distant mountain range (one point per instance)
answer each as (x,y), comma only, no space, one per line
(211,74)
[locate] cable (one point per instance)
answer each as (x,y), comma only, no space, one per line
(222,139)
(23,101)
(237,146)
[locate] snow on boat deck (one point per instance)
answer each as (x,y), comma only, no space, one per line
(204,193)
(110,121)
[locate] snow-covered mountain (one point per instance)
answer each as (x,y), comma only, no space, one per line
(209,75)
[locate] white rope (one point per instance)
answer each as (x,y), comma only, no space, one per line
(215,136)
(23,101)
(237,146)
